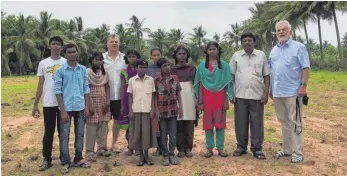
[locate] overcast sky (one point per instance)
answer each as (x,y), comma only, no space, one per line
(213,16)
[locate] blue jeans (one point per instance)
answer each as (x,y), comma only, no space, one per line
(168,127)
(79,122)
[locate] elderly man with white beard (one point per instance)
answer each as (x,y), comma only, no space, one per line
(289,72)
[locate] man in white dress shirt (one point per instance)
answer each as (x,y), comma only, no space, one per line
(114,63)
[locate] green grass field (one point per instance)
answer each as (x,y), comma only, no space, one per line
(325,138)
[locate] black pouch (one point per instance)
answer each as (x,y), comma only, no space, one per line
(305,100)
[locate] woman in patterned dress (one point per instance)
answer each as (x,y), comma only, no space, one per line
(96,123)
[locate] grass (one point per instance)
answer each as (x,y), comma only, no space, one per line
(325,134)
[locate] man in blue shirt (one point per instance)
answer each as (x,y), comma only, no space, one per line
(289,71)
(72,91)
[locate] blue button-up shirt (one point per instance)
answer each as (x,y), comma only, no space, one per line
(73,85)
(286,63)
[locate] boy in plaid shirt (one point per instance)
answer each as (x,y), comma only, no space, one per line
(168,108)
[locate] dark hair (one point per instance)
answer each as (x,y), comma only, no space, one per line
(131,51)
(209,44)
(176,51)
(156,49)
(56,39)
(70,45)
(141,62)
(161,61)
(94,55)
(248,34)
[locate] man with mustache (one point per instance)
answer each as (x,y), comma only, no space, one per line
(289,66)
(250,71)
(114,64)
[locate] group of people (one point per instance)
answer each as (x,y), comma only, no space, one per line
(159,104)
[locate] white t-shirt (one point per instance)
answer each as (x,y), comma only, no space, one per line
(47,68)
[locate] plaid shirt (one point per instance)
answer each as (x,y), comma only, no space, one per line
(166,90)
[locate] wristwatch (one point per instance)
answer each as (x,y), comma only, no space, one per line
(303,84)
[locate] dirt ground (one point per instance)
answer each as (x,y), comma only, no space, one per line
(324,148)
(325,139)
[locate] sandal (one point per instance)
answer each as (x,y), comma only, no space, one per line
(259,155)
(64,169)
(45,165)
(104,153)
(141,160)
(173,160)
(208,154)
(189,154)
(180,154)
(297,158)
(222,153)
(166,161)
(149,162)
(281,154)
(81,164)
(139,163)
(239,152)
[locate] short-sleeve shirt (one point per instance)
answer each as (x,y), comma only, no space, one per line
(142,91)
(166,90)
(249,71)
(286,63)
(47,68)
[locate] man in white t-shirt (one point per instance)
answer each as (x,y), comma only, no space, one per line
(114,64)
(51,112)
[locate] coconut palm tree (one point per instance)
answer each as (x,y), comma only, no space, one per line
(24,46)
(158,39)
(197,39)
(43,31)
(137,28)
(333,6)
(233,34)
(216,37)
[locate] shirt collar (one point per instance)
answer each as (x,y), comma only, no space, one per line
(160,77)
(243,52)
(66,65)
(117,58)
(288,42)
(137,77)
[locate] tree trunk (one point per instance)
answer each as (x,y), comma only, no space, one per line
(320,42)
(294,35)
(307,45)
(342,64)
(43,52)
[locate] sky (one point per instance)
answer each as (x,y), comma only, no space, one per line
(215,17)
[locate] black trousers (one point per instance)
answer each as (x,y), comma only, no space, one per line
(51,119)
(249,113)
(185,135)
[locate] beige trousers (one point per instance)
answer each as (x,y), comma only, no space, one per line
(290,118)
(96,132)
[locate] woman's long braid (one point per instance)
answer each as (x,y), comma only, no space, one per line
(207,61)
(103,69)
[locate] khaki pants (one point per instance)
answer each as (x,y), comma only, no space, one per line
(96,132)
(290,119)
